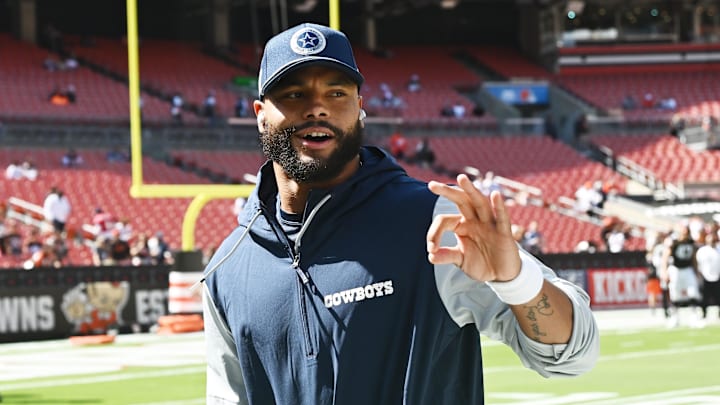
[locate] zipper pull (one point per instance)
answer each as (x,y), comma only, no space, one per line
(296,265)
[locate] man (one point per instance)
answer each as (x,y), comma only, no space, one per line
(679,271)
(57,208)
(707,258)
(348,282)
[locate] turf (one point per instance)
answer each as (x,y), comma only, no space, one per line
(653,366)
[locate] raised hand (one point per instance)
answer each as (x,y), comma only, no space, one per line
(485,249)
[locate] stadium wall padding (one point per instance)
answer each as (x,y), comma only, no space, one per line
(42,304)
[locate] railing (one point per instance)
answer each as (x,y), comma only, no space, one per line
(27,213)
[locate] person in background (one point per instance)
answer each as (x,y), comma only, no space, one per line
(413,84)
(209,107)
(532,240)
(14,170)
(57,209)
(424,154)
(680,274)
(72,158)
(71,93)
(654,256)
(348,282)
(398,145)
(707,258)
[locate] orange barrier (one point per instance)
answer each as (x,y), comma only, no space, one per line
(170,324)
(92,340)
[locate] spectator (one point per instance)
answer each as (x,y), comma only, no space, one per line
(117,155)
(424,155)
(586,246)
(458,110)
(587,198)
(532,239)
(176,109)
(29,171)
(398,145)
(387,95)
(103,223)
(629,103)
(648,100)
(119,249)
(58,97)
(124,229)
(70,93)
(139,251)
(478,110)
(56,240)
(413,84)
(242,107)
(72,158)
(101,250)
(50,64)
(13,239)
(668,103)
(34,241)
(617,237)
(209,106)
(447,110)
(57,208)
(489,183)
(677,124)
(14,171)
(71,62)
(44,257)
(159,249)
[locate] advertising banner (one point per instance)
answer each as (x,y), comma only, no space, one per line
(57,303)
(618,287)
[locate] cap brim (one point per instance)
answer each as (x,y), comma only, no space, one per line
(354,75)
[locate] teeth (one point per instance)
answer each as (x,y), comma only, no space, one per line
(316,135)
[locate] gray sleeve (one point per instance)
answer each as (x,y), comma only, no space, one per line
(472,302)
(224,377)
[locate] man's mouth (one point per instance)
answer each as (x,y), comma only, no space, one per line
(316,136)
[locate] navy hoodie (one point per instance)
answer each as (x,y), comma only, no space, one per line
(350,311)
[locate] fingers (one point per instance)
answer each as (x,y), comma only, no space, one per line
(439,225)
(502,218)
(438,254)
(470,201)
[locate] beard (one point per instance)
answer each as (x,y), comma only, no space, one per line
(277,146)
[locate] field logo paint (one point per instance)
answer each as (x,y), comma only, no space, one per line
(94,307)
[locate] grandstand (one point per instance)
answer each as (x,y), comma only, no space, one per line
(530,147)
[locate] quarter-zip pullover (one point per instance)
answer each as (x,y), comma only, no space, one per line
(352,312)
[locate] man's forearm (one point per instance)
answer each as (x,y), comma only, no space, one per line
(547,318)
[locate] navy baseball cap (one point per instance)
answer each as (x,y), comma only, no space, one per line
(301,46)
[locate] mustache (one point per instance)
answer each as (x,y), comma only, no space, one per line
(313,124)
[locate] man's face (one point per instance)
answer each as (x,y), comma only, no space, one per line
(309,124)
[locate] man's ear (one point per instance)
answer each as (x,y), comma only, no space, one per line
(258,107)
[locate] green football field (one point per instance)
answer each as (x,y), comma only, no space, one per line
(648,366)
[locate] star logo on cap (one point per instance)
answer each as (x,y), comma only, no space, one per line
(307,41)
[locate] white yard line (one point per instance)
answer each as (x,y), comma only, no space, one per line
(101,378)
